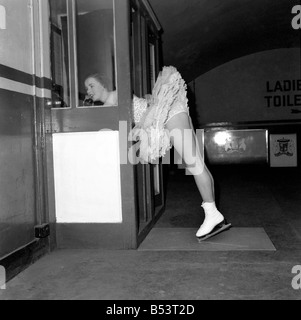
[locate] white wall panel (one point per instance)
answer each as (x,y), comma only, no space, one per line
(87,177)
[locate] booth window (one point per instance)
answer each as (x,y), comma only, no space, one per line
(83,53)
(59,54)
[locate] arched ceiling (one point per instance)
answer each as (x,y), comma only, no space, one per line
(200,35)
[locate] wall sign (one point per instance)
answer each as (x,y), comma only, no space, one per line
(283,150)
(237,146)
(283,94)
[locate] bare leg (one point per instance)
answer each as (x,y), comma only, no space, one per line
(214,220)
(203,178)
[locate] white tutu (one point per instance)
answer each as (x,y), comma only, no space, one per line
(169,94)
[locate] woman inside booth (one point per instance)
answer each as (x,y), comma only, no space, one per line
(98,93)
(157,118)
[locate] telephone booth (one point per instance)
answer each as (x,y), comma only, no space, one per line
(97,198)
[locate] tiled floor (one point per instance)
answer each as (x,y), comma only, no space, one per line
(249,198)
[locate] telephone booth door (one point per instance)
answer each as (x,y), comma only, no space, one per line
(145,40)
(101,53)
(93,182)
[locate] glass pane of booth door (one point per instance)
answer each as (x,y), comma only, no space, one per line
(96,53)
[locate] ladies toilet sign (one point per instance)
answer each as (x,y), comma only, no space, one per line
(283,150)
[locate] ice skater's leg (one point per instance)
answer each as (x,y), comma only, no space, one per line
(180,123)
(186,145)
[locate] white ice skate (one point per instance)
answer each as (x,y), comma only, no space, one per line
(214,223)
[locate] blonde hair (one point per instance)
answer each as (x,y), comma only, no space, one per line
(103,80)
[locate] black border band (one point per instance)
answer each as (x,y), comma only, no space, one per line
(25,78)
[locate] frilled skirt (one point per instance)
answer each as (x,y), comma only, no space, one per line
(168,98)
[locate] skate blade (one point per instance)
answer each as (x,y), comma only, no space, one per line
(223,226)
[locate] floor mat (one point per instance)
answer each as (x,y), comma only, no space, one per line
(184,239)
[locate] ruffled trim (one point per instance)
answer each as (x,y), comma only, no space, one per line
(139,108)
(169,90)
